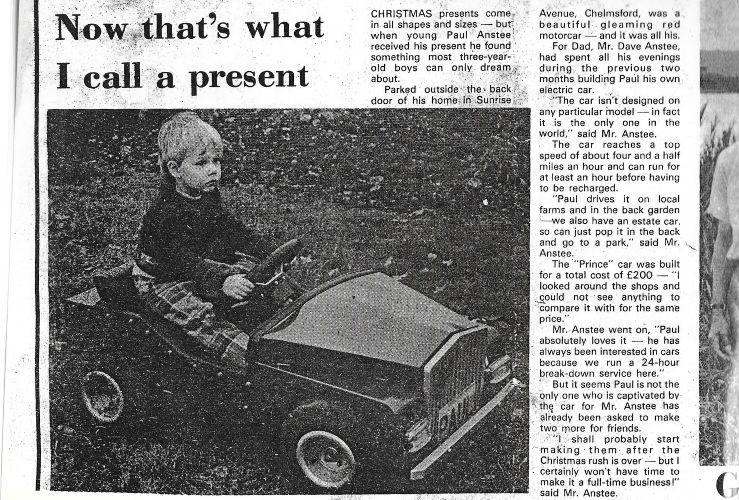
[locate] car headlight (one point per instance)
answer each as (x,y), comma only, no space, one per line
(417,436)
(498,370)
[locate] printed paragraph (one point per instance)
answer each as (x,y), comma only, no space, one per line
(608,292)
(440,57)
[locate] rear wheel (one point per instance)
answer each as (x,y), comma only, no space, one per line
(115,397)
(102,396)
(122,379)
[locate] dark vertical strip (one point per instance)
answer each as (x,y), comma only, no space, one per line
(37,191)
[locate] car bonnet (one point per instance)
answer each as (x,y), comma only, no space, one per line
(374,316)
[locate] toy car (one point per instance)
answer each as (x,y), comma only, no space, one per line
(368,370)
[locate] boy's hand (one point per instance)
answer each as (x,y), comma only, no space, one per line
(237,286)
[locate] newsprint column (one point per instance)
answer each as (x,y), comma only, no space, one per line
(614,248)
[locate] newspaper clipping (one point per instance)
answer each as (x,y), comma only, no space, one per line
(450,248)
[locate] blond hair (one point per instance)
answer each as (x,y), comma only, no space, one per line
(183,135)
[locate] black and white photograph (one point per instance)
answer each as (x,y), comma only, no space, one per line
(719,170)
(281,301)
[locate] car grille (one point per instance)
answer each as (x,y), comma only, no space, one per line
(453,381)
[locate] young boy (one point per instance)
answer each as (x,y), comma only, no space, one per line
(188,267)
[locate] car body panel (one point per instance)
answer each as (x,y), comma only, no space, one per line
(373,316)
(365,334)
(393,385)
(362,338)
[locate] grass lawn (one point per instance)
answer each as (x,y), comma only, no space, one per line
(437,198)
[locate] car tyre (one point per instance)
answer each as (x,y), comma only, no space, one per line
(102,396)
(320,447)
(110,397)
(118,397)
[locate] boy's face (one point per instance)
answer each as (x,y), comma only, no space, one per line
(198,173)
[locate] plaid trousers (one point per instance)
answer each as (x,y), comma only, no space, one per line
(178,302)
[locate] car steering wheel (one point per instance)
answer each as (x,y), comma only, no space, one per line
(271,268)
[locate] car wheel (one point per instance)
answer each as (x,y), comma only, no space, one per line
(320,447)
(120,378)
(102,396)
(112,397)
(325,459)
